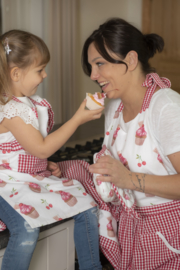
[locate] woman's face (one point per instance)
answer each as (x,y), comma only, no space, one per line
(112,78)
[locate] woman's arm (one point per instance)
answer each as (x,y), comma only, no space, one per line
(162,186)
(33,142)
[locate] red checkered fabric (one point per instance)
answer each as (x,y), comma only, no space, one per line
(32,165)
(10,146)
(140,248)
(2,226)
(45,103)
(152,81)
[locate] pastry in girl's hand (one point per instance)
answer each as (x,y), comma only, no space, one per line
(95,101)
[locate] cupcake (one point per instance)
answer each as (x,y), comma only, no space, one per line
(67,198)
(98,182)
(5,165)
(115,135)
(141,135)
(57,218)
(35,187)
(123,160)
(2,183)
(67,182)
(159,157)
(27,210)
(110,231)
(95,101)
(111,193)
(38,177)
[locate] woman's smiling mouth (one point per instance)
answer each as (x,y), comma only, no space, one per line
(103,85)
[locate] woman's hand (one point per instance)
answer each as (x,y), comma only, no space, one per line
(83,115)
(113,171)
(54,168)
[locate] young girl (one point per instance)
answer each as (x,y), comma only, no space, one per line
(30,195)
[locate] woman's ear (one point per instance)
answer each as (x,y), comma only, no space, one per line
(132,60)
(15,74)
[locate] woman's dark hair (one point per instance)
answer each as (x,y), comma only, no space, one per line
(119,37)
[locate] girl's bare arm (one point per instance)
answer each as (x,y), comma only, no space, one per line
(32,140)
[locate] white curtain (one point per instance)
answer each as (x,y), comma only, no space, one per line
(55,21)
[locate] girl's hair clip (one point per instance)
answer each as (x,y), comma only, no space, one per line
(6,46)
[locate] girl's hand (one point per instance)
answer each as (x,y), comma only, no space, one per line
(83,115)
(113,171)
(54,168)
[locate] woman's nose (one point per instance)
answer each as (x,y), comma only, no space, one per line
(94,75)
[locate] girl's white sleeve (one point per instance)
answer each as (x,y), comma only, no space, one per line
(26,113)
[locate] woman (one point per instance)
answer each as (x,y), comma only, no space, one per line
(142,127)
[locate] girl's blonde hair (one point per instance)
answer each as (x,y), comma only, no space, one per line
(26,49)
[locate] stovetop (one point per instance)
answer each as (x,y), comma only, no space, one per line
(82,152)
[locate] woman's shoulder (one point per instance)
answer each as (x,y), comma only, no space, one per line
(163,99)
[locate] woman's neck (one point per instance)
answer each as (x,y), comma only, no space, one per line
(133,97)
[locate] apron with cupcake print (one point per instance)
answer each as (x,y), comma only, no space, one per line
(25,183)
(134,145)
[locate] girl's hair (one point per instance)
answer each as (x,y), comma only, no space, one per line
(26,49)
(119,37)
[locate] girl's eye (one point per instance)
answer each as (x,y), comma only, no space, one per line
(40,70)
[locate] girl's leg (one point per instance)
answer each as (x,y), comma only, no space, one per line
(86,237)
(22,241)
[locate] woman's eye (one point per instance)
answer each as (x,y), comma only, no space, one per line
(99,64)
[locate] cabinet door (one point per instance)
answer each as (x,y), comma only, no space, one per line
(162,17)
(55,249)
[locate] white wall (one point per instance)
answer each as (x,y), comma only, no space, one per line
(92,13)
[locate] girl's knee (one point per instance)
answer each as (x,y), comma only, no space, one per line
(24,233)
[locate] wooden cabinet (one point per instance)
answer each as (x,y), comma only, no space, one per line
(55,249)
(162,17)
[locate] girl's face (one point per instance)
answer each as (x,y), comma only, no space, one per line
(112,78)
(29,81)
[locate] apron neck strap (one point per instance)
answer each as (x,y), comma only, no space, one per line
(151,82)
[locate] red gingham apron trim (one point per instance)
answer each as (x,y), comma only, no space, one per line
(111,251)
(45,103)
(33,109)
(130,210)
(10,146)
(31,164)
(2,226)
(16,99)
(151,82)
(158,209)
